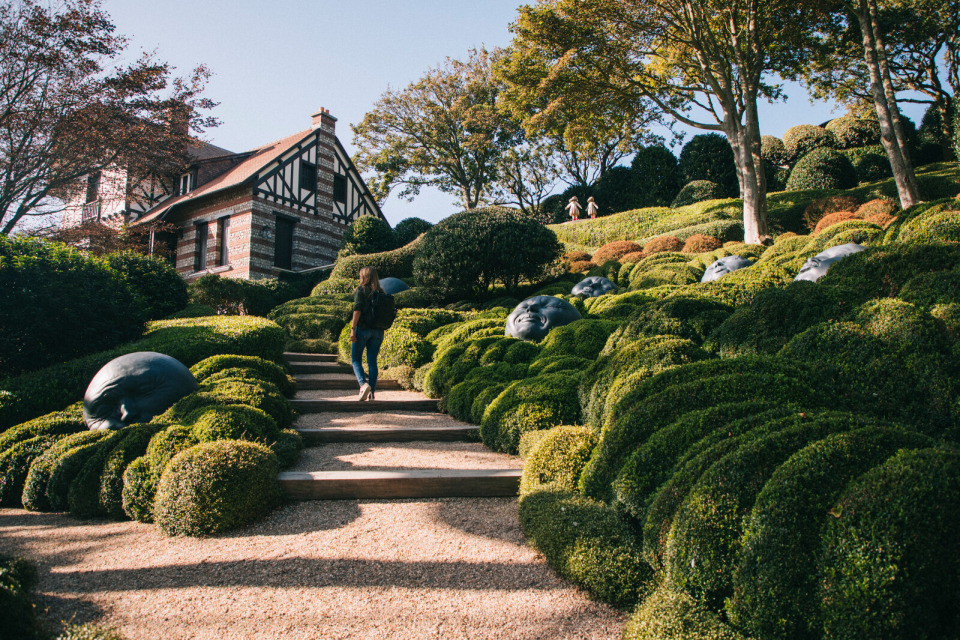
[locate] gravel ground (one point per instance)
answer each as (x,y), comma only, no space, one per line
(364,456)
(411,569)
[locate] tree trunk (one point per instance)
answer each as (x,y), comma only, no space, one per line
(743,139)
(902,171)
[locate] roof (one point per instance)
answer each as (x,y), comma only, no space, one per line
(200,150)
(256,160)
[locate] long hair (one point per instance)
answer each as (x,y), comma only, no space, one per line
(369,280)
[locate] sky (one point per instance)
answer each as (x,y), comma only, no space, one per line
(276,63)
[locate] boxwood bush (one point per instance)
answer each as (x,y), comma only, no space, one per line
(556,458)
(216,486)
(890,552)
(583,338)
(42,469)
(18,580)
(15,462)
(802,139)
(396,263)
(698,191)
(671,614)
(685,316)
(260,368)
(851,131)
(530,404)
(822,169)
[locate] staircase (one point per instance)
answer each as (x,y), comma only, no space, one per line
(397,446)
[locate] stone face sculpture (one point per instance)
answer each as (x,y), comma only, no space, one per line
(816,267)
(593,286)
(533,318)
(134,388)
(723,266)
(393,285)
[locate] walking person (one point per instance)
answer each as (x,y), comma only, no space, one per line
(363,335)
(574,206)
(591,208)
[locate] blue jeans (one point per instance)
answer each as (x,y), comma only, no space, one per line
(369,339)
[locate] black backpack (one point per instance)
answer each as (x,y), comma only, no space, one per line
(380,311)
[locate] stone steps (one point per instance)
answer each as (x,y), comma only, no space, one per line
(320,405)
(408,483)
(466,433)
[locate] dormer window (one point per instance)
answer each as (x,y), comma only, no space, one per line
(187,183)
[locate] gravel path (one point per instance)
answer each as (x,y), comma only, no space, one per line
(411,569)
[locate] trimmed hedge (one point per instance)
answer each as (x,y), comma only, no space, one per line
(850,131)
(555,459)
(50,463)
(743,285)
(671,614)
(822,169)
(583,338)
(18,581)
(15,462)
(890,553)
(685,316)
(462,401)
(698,191)
(588,543)
(802,139)
(216,486)
(540,402)
(614,251)
(397,263)
(260,368)
(775,583)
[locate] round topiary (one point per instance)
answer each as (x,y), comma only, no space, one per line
(408,229)
(709,157)
(931,289)
(535,403)
(656,176)
(557,458)
(261,368)
(938,227)
(773,151)
(139,489)
(368,234)
(232,422)
(875,207)
(804,138)
(699,243)
(821,207)
(850,131)
(671,614)
(216,486)
(43,468)
(632,258)
(15,462)
(157,288)
(834,218)
(871,166)
(662,244)
(614,251)
(697,191)
(890,552)
(583,338)
(822,169)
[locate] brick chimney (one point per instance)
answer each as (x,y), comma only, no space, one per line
(322,118)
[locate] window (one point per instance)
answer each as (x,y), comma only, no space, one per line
(200,256)
(340,189)
(308,176)
(93,186)
(283,246)
(223,237)
(187,183)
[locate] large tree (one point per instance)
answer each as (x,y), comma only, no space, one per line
(67,110)
(444,131)
(704,62)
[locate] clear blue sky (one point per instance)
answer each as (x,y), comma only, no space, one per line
(275,63)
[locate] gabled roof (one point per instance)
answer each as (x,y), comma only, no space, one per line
(249,167)
(200,150)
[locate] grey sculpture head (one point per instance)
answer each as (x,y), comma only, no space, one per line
(393,285)
(593,286)
(135,388)
(817,266)
(723,266)
(533,318)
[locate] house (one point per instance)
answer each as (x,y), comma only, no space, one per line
(283,206)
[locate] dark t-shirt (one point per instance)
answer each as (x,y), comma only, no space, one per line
(360,298)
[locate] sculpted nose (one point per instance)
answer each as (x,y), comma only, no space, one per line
(128,411)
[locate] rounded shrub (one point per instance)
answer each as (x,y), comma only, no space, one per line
(556,459)
(804,138)
(56,464)
(312,326)
(133,445)
(822,169)
(368,234)
(671,614)
(662,244)
(939,227)
(79,488)
(158,290)
(139,489)
(409,229)
(588,543)
(699,243)
(877,206)
(232,422)
(775,583)
(18,581)
(234,390)
(870,166)
(743,285)
(698,191)
(656,176)
(773,151)
(262,369)
(216,486)
(851,131)
(709,157)
(821,207)
(515,248)
(890,553)
(287,447)
(584,338)
(461,403)
(615,250)
(58,423)
(531,404)
(397,263)
(15,462)
(834,218)
(928,290)
(334,286)
(691,317)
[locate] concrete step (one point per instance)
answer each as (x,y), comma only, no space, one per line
(319,367)
(407,434)
(292,356)
(323,383)
(408,483)
(304,406)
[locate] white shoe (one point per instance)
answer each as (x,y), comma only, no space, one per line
(364,392)
(371,396)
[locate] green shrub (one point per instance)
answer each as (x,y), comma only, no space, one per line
(743,285)
(454,364)
(616,190)
(859,231)
(656,176)
(583,338)
(18,580)
(514,247)
(235,296)
(158,290)
(671,614)
(216,486)
(42,469)
(139,489)
(850,131)
(870,163)
(334,286)
(83,486)
(698,191)
(775,583)
(53,424)
(942,226)
(556,459)
(615,251)
(133,445)
(560,363)
(88,632)
(457,333)
(409,229)
(483,400)
(588,543)
(802,139)
(406,342)
(232,422)
(261,369)
(526,405)
(930,289)
(709,157)
(889,565)
(773,151)
(397,263)
(312,326)
(287,447)
(15,461)
(46,289)
(368,234)
(689,317)
(232,390)
(822,169)
(461,401)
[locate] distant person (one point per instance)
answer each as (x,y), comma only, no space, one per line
(574,208)
(591,208)
(363,335)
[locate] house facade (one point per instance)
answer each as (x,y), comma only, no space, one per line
(280,207)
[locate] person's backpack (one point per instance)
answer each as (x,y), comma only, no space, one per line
(380,312)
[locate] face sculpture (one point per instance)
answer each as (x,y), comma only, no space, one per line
(592,287)
(134,388)
(816,267)
(723,266)
(393,285)
(533,318)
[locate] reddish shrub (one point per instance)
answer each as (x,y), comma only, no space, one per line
(632,257)
(580,266)
(614,250)
(882,219)
(825,206)
(575,256)
(661,244)
(833,218)
(699,243)
(873,207)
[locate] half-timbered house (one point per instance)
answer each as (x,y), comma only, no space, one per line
(283,206)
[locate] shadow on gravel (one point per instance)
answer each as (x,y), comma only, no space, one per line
(494,518)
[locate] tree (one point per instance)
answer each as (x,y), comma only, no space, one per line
(527,175)
(66,111)
(715,57)
(443,130)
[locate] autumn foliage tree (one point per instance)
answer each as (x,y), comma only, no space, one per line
(69,109)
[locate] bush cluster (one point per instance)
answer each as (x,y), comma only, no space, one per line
(851,131)
(822,168)
(802,139)
(709,157)
(697,191)
(235,296)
